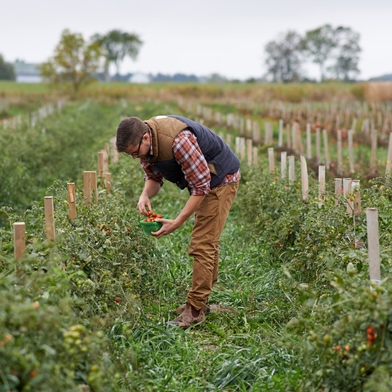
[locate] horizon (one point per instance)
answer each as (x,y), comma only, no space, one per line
(201,39)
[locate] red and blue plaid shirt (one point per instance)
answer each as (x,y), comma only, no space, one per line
(187,153)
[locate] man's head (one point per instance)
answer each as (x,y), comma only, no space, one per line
(130,133)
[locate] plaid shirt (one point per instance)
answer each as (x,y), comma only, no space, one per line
(187,153)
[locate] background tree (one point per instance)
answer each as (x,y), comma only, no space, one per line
(319,44)
(74,61)
(7,71)
(347,54)
(284,57)
(117,45)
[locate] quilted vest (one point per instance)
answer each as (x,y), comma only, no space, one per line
(220,159)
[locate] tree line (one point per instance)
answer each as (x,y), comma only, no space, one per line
(77,61)
(334,50)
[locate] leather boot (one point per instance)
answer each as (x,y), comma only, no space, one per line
(181,308)
(188,317)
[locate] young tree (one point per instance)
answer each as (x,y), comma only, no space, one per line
(347,54)
(7,71)
(283,58)
(74,61)
(117,45)
(319,44)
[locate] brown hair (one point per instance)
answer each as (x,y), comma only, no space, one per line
(129,133)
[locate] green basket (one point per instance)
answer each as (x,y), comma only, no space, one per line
(148,227)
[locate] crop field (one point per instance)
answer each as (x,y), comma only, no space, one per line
(303,299)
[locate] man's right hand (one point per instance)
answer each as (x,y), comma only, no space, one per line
(144,205)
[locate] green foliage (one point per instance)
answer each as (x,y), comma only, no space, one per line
(58,147)
(117,45)
(74,61)
(89,310)
(349,338)
(43,345)
(7,71)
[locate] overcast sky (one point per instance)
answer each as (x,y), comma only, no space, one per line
(198,37)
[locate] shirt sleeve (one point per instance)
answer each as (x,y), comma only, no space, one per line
(193,164)
(150,173)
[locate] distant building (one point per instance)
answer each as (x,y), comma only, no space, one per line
(139,77)
(27,72)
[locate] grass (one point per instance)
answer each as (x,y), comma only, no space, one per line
(238,346)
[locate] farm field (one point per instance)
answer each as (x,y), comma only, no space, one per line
(294,308)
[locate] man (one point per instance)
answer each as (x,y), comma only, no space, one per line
(190,155)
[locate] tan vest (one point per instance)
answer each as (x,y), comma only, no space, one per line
(163,133)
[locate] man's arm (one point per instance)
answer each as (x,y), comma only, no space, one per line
(169,225)
(151,188)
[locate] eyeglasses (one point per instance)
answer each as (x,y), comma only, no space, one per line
(136,153)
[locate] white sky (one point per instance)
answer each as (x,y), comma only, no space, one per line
(198,37)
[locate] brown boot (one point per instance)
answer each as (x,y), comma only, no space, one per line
(190,316)
(181,308)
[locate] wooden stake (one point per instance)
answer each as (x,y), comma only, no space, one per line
(326,149)
(86,187)
(304,177)
(346,190)
(339,148)
(355,189)
(321,185)
(241,146)
(90,186)
(114,150)
(294,140)
(249,151)
(100,164)
(94,186)
(308,141)
(283,164)
(19,240)
(268,133)
(374,246)
(105,160)
(71,200)
(291,168)
(389,158)
(350,135)
(256,132)
(49,218)
(338,189)
(318,153)
(374,150)
(288,137)
(271,160)
(280,140)
(255,156)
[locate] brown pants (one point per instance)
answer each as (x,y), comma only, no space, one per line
(210,219)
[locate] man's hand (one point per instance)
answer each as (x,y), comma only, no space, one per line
(144,204)
(151,188)
(168,226)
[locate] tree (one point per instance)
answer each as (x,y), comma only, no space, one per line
(74,61)
(7,71)
(117,45)
(347,54)
(319,44)
(283,57)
